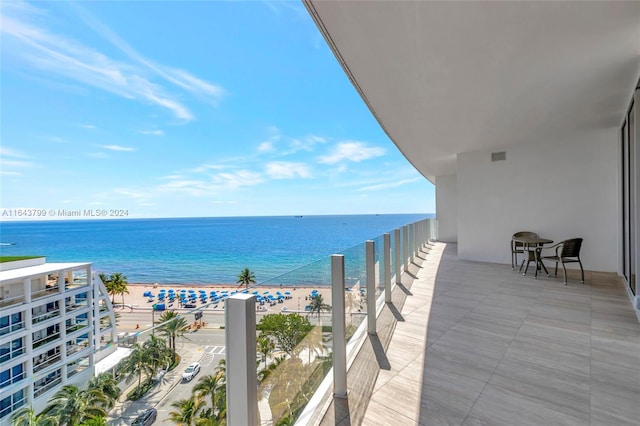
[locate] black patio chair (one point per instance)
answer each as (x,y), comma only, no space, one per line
(567,251)
(517,247)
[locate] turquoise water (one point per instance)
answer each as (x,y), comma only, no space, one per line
(202,250)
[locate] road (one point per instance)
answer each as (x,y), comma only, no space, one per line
(206,345)
(211,355)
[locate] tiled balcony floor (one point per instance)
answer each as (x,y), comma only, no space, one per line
(479,344)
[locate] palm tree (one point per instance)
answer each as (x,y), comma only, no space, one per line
(116,284)
(246,277)
(158,353)
(26,416)
(136,364)
(188,410)
(108,386)
(172,325)
(212,385)
(265,348)
(119,281)
(317,305)
(221,369)
(109,286)
(72,406)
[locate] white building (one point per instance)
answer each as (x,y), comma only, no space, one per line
(56,322)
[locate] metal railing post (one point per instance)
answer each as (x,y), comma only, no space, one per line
(240,338)
(405,247)
(339,327)
(397,254)
(387,267)
(412,242)
(371,286)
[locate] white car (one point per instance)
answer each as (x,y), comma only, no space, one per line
(191,371)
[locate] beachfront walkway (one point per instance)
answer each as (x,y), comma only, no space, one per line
(476,343)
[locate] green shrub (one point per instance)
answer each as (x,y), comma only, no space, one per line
(138,393)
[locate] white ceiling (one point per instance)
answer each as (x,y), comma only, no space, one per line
(449,77)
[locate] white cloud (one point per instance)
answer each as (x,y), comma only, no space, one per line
(55,54)
(210,185)
(152,132)
(388,185)
(88,126)
(237,179)
(8,152)
(266,146)
(131,193)
(307,143)
(97,155)
(351,151)
(12,161)
(118,148)
(207,167)
(287,170)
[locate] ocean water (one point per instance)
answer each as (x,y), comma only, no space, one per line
(203,250)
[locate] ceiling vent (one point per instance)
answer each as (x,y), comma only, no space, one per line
(498,156)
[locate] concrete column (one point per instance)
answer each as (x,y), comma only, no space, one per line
(371,286)
(386,242)
(240,338)
(405,247)
(397,254)
(339,327)
(26,288)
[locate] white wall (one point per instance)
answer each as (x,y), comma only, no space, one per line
(559,189)
(447,208)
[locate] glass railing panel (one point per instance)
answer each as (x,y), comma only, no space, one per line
(11,301)
(355,288)
(44,340)
(294,339)
(395,244)
(38,294)
(42,363)
(379,265)
(42,385)
(77,366)
(46,316)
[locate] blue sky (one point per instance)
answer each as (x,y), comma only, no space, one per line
(178,109)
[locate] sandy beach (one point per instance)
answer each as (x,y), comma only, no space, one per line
(293,298)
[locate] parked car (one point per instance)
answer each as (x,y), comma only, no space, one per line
(191,371)
(147,418)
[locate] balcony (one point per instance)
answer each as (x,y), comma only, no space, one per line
(47,339)
(77,347)
(477,343)
(46,316)
(49,291)
(11,301)
(45,361)
(43,385)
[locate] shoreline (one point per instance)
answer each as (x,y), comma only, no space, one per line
(292,295)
